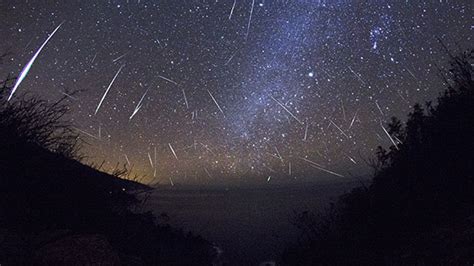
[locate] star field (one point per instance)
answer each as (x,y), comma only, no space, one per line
(215,91)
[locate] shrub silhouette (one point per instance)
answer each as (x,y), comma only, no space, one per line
(34,121)
(46,194)
(419,209)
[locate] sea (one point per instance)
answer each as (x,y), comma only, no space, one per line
(248,225)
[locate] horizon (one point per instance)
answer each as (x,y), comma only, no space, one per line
(236,132)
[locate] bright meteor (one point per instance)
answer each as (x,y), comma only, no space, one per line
(27,67)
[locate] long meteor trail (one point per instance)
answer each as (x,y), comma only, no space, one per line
(318,166)
(138,107)
(232,10)
(172,150)
(107,90)
(167,79)
(250,19)
(27,67)
(286,109)
(214,99)
(389,136)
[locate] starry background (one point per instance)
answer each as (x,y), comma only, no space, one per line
(234,91)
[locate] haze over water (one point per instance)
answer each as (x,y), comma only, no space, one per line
(249,224)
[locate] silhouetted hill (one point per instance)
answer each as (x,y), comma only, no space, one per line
(419,210)
(56,185)
(56,211)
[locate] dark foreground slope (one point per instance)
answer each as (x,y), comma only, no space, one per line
(419,209)
(57,211)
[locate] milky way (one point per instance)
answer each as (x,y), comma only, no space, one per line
(250,90)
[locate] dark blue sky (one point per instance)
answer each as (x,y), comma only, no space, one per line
(234,89)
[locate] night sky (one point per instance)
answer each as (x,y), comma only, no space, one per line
(217,91)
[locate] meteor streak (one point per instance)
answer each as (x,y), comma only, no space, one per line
(345,135)
(207,172)
(214,99)
(230,58)
(85,133)
(278,153)
(250,19)
(151,161)
(232,10)
(353,119)
(185,99)
(317,166)
(139,105)
(167,79)
(126,158)
(107,90)
(27,67)
(357,76)
(306,131)
(69,96)
(380,109)
(120,57)
(93,59)
(309,161)
(390,137)
(172,150)
(286,109)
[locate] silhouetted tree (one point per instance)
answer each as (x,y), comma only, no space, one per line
(46,194)
(420,207)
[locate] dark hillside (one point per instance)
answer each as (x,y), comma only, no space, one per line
(56,211)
